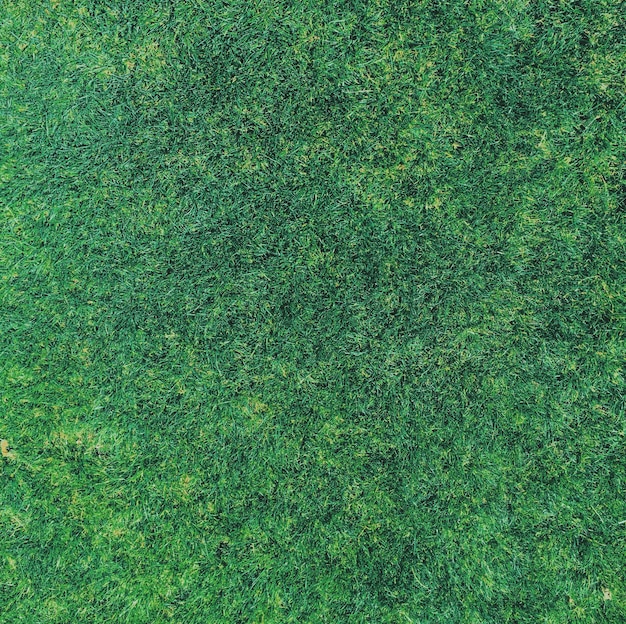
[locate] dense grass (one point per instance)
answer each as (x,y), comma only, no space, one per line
(312,311)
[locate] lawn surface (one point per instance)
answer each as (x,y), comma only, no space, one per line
(312,312)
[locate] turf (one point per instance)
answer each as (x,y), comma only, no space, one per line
(313,311)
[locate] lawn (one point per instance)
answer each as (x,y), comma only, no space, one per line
(312,312)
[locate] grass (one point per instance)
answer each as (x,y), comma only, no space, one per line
(312,311)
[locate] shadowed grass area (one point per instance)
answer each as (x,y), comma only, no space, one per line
(312,311)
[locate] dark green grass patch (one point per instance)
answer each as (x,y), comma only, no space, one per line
(312,311)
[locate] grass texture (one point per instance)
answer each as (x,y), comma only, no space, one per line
(313,311)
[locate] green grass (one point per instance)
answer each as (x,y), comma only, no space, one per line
(313,311)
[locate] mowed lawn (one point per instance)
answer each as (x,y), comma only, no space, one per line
(312,311)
